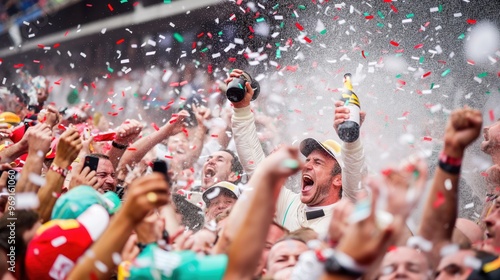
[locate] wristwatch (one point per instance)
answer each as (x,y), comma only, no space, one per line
(339,263)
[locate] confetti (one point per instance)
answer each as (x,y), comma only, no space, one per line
(394,43)
(439,200)
(178,37)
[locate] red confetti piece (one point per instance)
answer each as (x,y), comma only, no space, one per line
(402,82)
(419,46)
(439,200)
(471,21)
(58,82)
(183,83)
(426,75)
(394,9)
(299,27)
(36,61)
(56,45)
(20,65)
(307,39)
(200,35)
(394,43)
(110,7)
(93,85)
(251,29)
(492,116)
(169,157)
(406,113)
(392,248)
(427,138)
(214,136)
(41,46)
(386,172)
(172,121)
(132,149)
(369,17)
(174,84)
(363,54)
(155,126)
(120,41)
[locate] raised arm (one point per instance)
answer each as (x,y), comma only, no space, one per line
(251,217)
(39,138)
(440,212)
(245,136)
(140,148)
(126,133)
(353,155)
(67,150)
(145,194)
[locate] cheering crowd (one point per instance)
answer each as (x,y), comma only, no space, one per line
(82,199)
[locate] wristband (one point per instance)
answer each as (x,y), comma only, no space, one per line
(118,146)
(59,170)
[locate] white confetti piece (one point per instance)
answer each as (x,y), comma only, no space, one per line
(150,53)
(123,61)
(28,200)
(215,55)
(472,262)
(58,241)
(151,43)
(117,259)
(172,24)
(342,21)
(449,249)
(36,179)
(103,30)
(457,14)
(408,20)
(419,242)
(101,266)
(83,54)
(470,205)
(434,9)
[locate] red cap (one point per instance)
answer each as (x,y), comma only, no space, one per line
(58,244)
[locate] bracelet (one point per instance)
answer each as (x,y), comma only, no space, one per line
(118,146)
(448,168)
(59,170)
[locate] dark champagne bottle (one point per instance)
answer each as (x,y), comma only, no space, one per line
(349,129)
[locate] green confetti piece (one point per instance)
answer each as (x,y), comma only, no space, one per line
(432,85)
(461,36)
(398,55)
(347,102)
(398,76)
(204,50)
(380,24)
(380,14)
(282,24)
(482,75)
(110,69)
(416,174)
(290,163)
(260,19)
(123,1)
(240,86)
(277,44)
(421,60)
(366,14)
(220,33)
(136,95)
(178,37)
(488,93)
(440,8)
(167,1)
(322,32)
(302,7)
(278,53)
(410,15)
(276,6)
(445,72)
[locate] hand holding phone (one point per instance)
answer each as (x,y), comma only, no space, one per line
(92,162)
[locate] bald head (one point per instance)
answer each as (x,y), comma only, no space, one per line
(466,231)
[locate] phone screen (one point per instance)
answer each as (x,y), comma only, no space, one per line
(91,162)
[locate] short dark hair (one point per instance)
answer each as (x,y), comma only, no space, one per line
(236,166)
(103,156)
